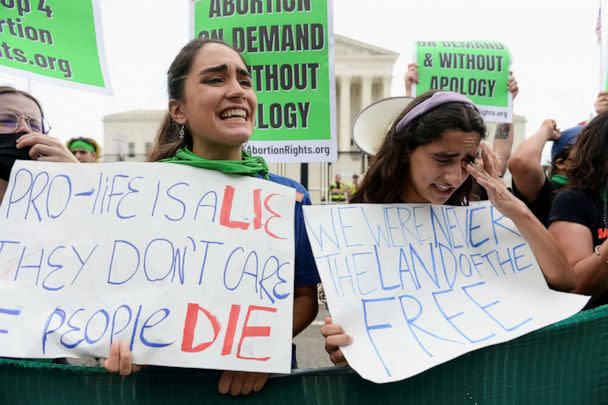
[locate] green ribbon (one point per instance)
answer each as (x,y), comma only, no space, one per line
(560,179)
(248,165)
(82,144)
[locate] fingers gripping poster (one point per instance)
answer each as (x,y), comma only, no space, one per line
(191,267)
(418,285)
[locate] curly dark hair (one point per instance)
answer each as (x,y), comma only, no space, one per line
(388,172)
(587,165)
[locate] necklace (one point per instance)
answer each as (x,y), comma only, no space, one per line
(605,216)
(605,200)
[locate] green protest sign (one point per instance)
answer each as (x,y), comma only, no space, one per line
(288,46)
(477,69)
(57,39)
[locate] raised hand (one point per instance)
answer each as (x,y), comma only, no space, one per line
(411,77)
(487,175)
(45,148)
(512,85)
(601,103)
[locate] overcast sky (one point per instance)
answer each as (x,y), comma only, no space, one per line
(553,46)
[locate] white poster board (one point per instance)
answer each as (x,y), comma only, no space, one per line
(418,285)
(192,267)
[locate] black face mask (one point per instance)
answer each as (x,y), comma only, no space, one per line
(9,153)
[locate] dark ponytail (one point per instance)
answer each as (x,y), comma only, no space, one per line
(168,141)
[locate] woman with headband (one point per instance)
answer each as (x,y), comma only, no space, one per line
(431,154)
(86,150)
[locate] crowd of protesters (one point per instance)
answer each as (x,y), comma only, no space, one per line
(432,153)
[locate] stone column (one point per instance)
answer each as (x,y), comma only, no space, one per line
(386,86)
(366,91)
(345,124)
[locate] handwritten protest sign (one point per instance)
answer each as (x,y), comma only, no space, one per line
(477,69)
(56,40)
(417,285)
(288,46)
(192,267)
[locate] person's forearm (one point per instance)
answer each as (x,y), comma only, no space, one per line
(502,145)
(530,150)
(305,307)
(592,273)
(546,250)
(3,187)
(525,166)
(408,89)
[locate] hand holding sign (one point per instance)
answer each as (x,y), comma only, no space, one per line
(120,359)
(236,383)
(512,85)
(241,382)
(335,337)
(411,78)
(601,103)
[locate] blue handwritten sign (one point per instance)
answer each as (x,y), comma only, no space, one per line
(417,285)
(192,267)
